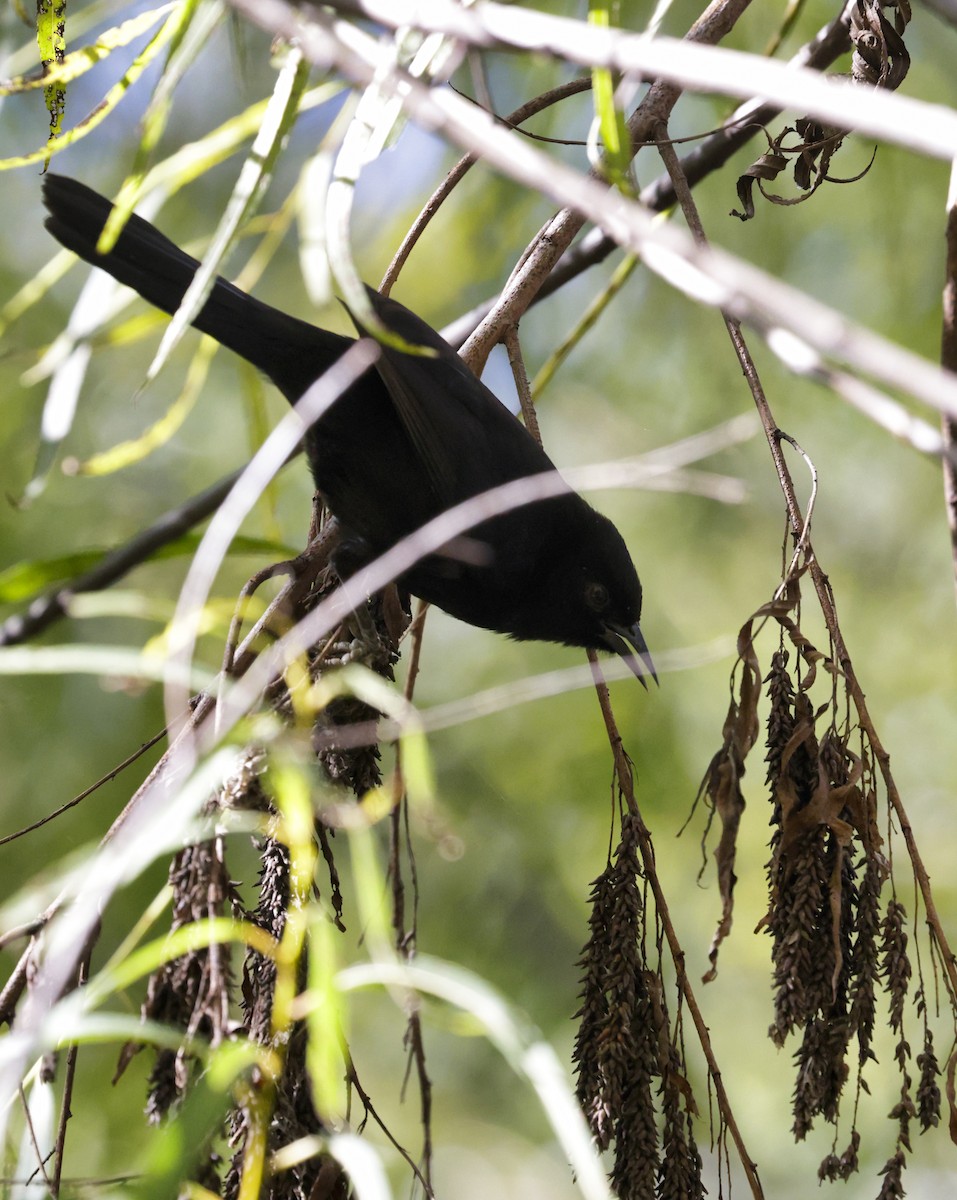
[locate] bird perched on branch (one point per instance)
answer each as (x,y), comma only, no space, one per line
(411,438)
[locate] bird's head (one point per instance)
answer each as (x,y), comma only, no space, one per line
(590,594)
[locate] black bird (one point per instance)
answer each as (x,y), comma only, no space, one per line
(411,438)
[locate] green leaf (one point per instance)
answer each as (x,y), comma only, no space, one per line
(60,71)
(253,179)
(615,162)
(102,110)
(193,32)
(51,42)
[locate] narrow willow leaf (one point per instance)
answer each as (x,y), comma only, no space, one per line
(24,580)
(519,1043)
(313,253)
(187,939)
(616,160)
(109,661)
(180,1144)
(65,363)
(197,25)
(191,161)
(252,181)
(363,1165)
(102,110)
(325,1019)
(35,289)
(78,62)
(252,390)
(166,178)
(51,42)
(24,59)
(364,133)
(125,454)
(582,326)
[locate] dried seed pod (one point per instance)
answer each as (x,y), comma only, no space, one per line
(928,1091)
(614,1051)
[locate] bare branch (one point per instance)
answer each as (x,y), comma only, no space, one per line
(708,275)
(927,128)
(541,258)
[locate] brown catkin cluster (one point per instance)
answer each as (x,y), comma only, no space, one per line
(194,992)
(197,991)
(832,951)
(625,1051)
(293,1115)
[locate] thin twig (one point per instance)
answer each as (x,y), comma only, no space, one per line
(107,778)
(417,1052)
(416,631)
(69,1079)
(543,254)
(113,566)
(589,317)
(370,1109)
(595,246)
(772,433)
(301,571)
(801,545)
(516,361)
(692,61)
(948,359)
(712,276)
(406,934)
(530,109)
(41,1168)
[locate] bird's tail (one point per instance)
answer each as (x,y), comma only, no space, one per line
(291,352)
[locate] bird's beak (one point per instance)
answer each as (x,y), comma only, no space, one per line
(627,640)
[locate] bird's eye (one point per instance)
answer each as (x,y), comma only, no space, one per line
(596,596)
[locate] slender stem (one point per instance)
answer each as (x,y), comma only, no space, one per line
(462,168)
(83,975)
(107,778)
(118,563)
(948,359)
(819,53)
(516,361)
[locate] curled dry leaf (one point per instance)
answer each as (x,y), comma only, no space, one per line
(626,1042)
(880,59)
(722,780)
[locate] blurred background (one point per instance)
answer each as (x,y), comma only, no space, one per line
(525,793)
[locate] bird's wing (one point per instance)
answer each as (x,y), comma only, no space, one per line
(420,412)
(464,436)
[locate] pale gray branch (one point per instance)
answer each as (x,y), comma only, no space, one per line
(926,128)
(707,274)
